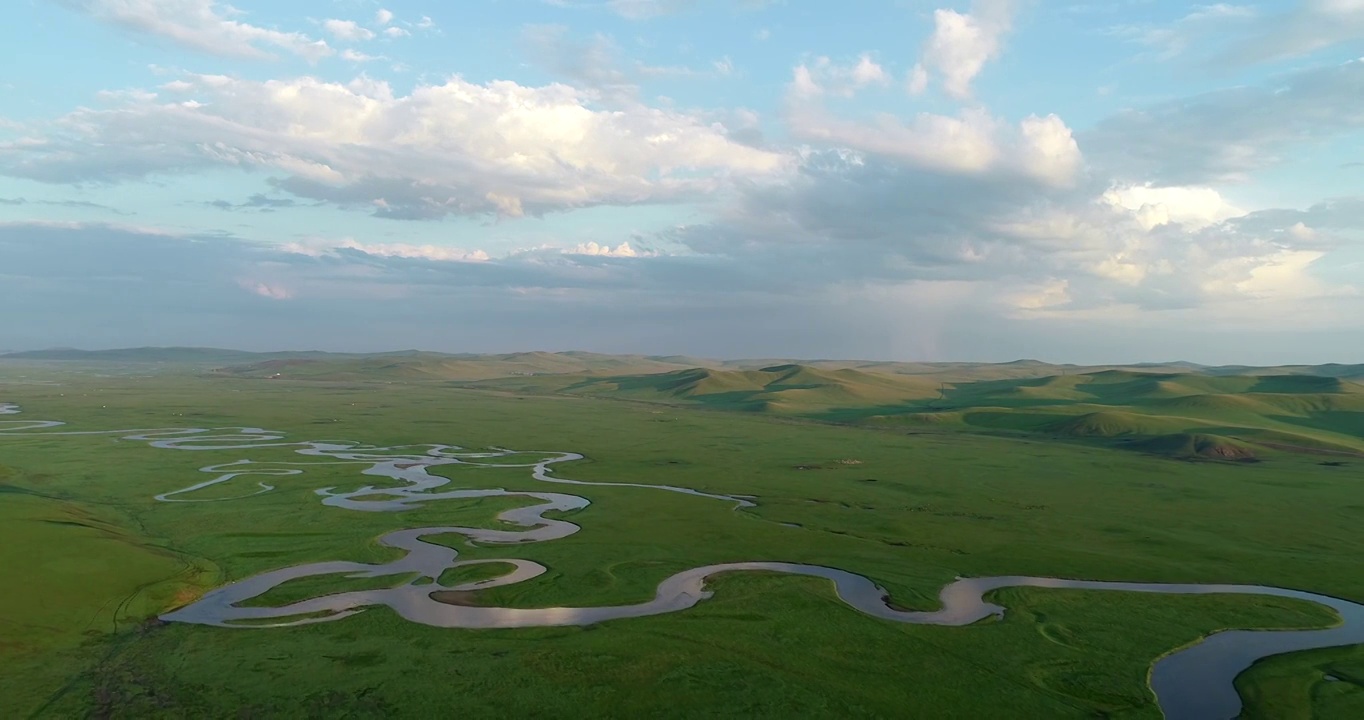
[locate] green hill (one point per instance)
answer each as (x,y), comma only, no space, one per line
(1181,414)
(787,388)
(1115,423)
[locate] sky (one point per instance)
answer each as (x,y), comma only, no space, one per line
(1069,180)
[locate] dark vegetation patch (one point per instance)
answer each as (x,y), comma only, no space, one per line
(474,573)
(1190,446)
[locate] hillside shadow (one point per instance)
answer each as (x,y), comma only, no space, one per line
(1337,421)
(1297,384)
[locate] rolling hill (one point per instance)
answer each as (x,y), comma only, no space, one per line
(1177,413)
(1176,409)
(239,362)
(785,388)
(1187,415)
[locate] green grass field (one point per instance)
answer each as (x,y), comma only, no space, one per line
(1044,485)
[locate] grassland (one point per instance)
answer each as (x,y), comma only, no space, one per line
(1171,413)
(910,502)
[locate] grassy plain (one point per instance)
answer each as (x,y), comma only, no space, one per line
(911,511)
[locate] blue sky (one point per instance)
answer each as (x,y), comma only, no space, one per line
(988,180)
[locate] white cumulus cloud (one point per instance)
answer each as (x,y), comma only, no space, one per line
(441,253)
(591,248)
(962,43)
(354,55)
(1193,207)
(973,141)
(824,76)
(347,30)
(455,148)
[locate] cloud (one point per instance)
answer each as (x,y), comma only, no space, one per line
(646,9)
(258,201)
(973,141)
(439,253)
(383,16)
(266,290)
(916,80)
(598,64)
(650,9)
(793,294)
(395,32)
(1310,26)
(347,30)
(76,204)
(1192,207)
(847,211)
(868,72)
(1238,35)
(1342,217)
(948,232)
(594,64)
(591,248)
(79,284)
(445,253)
(823,76)
(1197,29)
(356,56)
(1049,294)
(457,148)
(203,25)
(868,217)
(962,43)
(1225,135)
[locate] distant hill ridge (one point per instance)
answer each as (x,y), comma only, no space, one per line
(1175,413)
(580,361)
(775,388)
(1180,410)
(182,355)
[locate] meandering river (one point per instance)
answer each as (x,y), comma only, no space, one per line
(1193,683)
